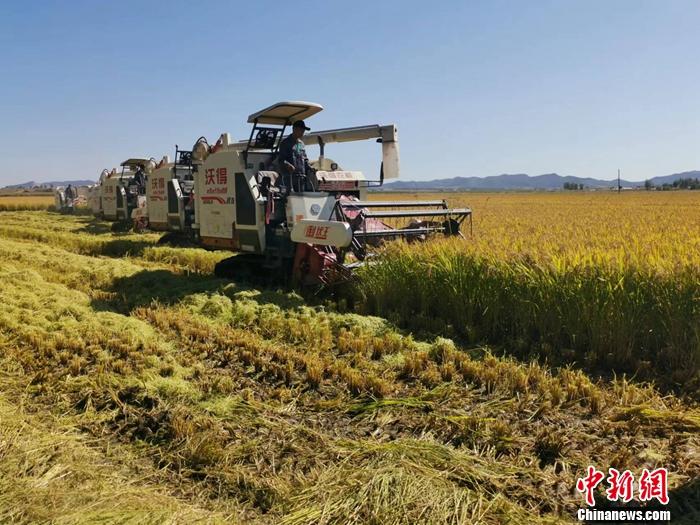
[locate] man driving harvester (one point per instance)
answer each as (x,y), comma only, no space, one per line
(293,162)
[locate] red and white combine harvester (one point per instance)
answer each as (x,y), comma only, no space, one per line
(166,210)
(231,196)
(241,203)
(120,196)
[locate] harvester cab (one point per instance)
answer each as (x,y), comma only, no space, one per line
(124,192)
(319,236)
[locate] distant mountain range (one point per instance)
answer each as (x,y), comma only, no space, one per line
(521,181)
(549,181)
(31,184)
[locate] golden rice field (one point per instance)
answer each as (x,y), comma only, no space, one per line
(608,281)
(14,202)
(657,230)
(136,387)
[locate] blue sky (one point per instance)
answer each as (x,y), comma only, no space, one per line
(475,88)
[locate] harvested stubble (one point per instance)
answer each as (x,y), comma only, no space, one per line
(228,403)
(88,236)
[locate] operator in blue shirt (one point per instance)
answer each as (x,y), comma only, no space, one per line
(292,159)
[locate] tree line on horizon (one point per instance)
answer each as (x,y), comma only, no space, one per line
(679,184)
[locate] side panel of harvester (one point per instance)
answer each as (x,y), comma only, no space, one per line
(114,204)
(180,199)
(59,198)
(157,196)
(215,203)
(95,194)
(110,188)
(95,199)
(229,211)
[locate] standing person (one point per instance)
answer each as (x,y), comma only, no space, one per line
(292,158)
(140,180)
(70,195)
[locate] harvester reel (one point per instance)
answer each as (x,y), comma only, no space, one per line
(375,222)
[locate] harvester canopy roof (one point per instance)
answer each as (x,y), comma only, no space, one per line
(135,162)
(285,112)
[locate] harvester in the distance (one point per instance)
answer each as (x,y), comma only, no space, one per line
(169,195)
(66,199)
(122,193)
(314,237)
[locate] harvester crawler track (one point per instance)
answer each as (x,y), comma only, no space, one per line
(239,267)
(254,269)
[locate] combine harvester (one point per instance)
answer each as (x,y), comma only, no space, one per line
(169,195)
(68,198)
(315,237)
(122,194)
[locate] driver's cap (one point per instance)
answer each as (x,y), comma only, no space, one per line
(300,124)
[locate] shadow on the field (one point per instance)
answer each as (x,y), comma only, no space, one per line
(124,247)
(684,502)
(94,226)
(167,287)
(162,286)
